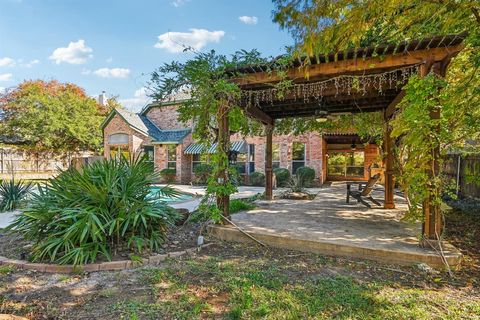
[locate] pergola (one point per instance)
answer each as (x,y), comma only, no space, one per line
(358,80)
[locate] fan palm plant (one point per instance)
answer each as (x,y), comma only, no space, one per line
(107,206)
(13,194)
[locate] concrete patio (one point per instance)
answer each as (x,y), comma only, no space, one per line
(328,225)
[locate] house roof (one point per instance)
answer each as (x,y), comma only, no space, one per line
(174,99)
(145,126)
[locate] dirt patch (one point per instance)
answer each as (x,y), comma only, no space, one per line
(13,246)
(226,279)
(206,285)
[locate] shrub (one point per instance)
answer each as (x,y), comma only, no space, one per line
(307,175)
(237,205)
(257,179)
(108,206)
(203,213)
(296,184)
(202,172)
(234,174)
(168,175)
(283,176)
(13,194)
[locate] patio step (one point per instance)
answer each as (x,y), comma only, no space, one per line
(372,252)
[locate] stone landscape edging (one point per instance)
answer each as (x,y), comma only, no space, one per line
(94,267)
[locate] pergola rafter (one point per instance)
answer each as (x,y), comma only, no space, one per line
(357,80)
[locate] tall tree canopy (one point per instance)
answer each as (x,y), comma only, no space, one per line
(320,26)
(51,117)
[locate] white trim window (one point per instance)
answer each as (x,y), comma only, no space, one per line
(118,139)
(198,158)
(251,158)
(149,151)
(172,156)
(275,155)
(298,155)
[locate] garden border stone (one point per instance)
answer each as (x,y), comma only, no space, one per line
(94,267)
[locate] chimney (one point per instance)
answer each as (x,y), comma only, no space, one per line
(102,99)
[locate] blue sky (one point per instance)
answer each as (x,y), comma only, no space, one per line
(114,45)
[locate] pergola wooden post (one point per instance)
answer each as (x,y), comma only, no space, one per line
(269,163)
(388,163)
(223,201)
(433,225)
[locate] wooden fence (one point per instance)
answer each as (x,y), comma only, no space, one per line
(21,165)
(464,171)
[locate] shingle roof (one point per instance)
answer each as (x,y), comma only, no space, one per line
(147,127)
(174,99)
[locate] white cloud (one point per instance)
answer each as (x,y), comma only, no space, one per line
(178,3)
(86,71)
(30,64)
(5,76)
(109,60)
(248,19)
(139,100)
(112,73)
(176,42)
(7,62)
(75,53)
(2,90)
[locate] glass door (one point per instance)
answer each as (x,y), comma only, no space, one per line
(346,165)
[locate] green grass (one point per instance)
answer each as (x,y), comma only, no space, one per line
(6,269)
(265,290)
(237,205)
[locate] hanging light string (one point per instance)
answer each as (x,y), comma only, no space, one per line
(345,84)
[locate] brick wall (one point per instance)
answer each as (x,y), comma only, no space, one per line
(166,117)
(183,163)
(118,125)
(313,151)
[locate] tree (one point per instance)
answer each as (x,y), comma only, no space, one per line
(51,117)
(320,26)
(206,78)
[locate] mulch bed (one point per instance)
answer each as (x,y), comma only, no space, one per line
(13,246)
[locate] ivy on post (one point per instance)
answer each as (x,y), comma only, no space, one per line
(223,194)
(432,226)
(269,163)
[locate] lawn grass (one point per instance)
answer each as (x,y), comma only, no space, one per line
(244,281)
(237,205)
(233,289)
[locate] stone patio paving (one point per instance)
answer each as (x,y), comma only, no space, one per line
(329,225)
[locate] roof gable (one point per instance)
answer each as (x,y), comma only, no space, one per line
(145,126)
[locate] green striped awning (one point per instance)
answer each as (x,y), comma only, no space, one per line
(196,148)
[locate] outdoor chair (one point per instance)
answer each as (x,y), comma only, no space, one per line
(364,191)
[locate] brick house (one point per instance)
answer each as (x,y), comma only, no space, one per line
(157,132)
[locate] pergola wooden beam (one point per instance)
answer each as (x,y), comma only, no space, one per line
(351,66)
(259,115)
(390,110)
(308,113)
